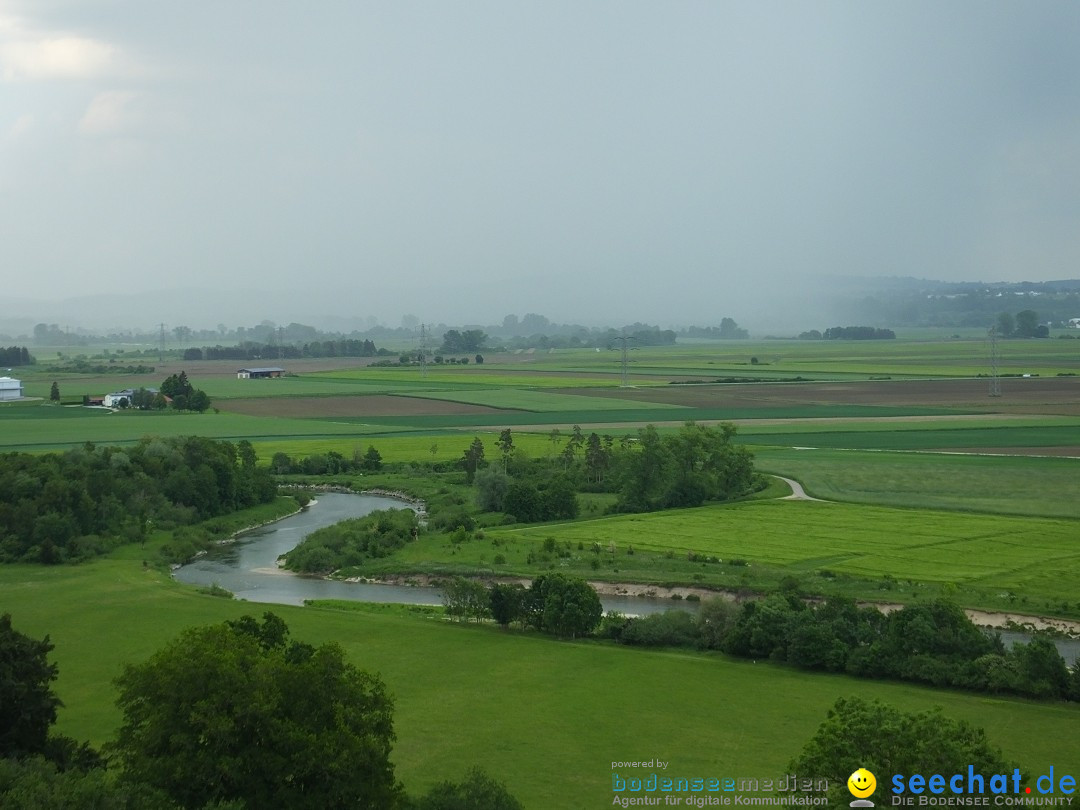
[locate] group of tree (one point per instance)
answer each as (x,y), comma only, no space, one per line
(354,542)
(234,715)
(1024,325)
(72,505)
(655,471)
(467,341)
(556,604)
(727,330)
(184,396)
(932,643)
(341,347)
(15,356)
(686,468)
(328,463)
(849,333)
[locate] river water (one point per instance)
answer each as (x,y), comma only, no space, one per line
(248,567)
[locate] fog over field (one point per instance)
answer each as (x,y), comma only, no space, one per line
(599,163)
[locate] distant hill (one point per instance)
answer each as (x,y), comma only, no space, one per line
(903,301)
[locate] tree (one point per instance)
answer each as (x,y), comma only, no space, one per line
(372,461)
(505,443)
(717,617)
(1005,325)
(466,598)
(177,384)
(54,392)
(474,456)
(524,502)
(564,606)
(234,713)
(505,602)
(1027,323)
(885,740)
(199,401)
(477,792)
(491,486)
(27,703)
(729,330)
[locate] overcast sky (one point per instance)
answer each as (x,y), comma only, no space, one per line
(591,161)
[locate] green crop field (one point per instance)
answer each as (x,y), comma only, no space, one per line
(914,437)
(46,427)
(546,717)
(822,359)
(1020,485)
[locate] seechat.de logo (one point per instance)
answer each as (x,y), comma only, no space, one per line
(861,784)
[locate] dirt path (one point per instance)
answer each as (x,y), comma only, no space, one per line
(797,492)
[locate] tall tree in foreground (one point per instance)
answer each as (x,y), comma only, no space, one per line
(234,712)
(27,703)
(884,740)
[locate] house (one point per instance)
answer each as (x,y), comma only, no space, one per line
(259,373)
(10,389)
(128,394)
(1074,323)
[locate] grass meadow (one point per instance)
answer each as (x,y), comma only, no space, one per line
(1005,484)
(547,717)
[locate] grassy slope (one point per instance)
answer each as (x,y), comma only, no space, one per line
(545,716)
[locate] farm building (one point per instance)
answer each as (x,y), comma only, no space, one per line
(10,388)
(128,394)
(259,373)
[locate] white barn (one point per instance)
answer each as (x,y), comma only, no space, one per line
(10,389)
(259,373)
(113,400)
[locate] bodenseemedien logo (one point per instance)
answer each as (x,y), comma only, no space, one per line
(861,784)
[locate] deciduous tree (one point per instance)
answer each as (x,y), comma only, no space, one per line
(884,740)
(233,712)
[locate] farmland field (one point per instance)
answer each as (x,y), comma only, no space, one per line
(995,527)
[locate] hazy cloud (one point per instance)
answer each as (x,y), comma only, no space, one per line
(592,161)
(27,53)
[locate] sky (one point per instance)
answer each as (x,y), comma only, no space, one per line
(596,162)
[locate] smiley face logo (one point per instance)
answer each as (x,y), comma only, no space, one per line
(861,783)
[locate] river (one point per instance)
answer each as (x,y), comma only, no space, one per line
(248,568)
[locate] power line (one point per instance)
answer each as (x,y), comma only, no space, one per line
(995,380)
(423,351)
(624,339)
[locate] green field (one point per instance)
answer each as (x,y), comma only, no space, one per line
(544,716)
(46,427)
(1017,485)
(988,561)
